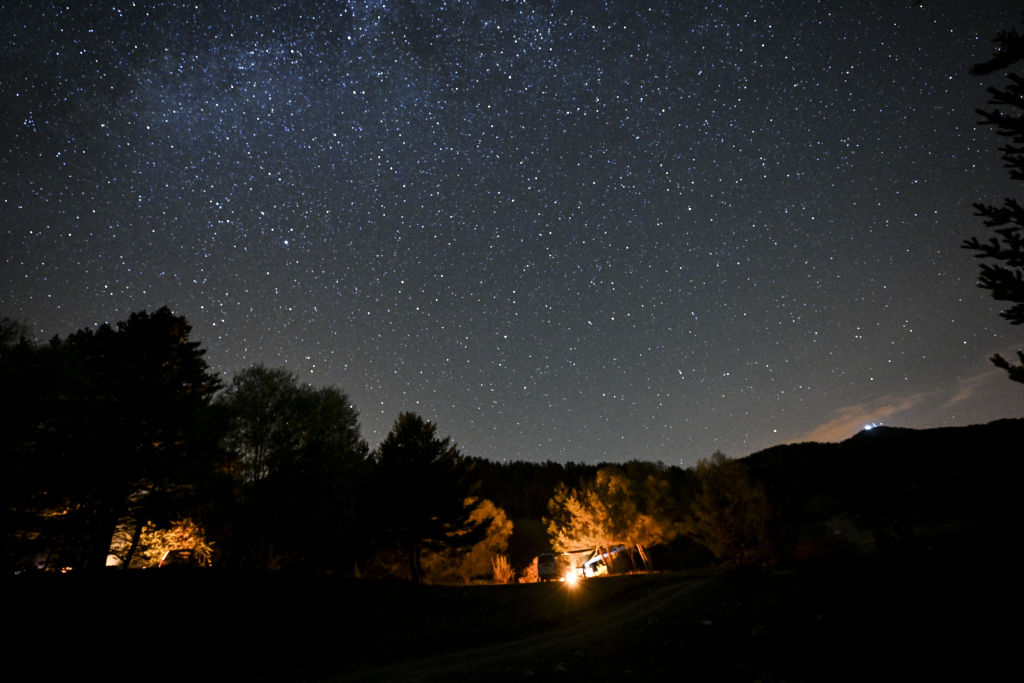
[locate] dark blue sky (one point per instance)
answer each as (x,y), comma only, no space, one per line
(561,230)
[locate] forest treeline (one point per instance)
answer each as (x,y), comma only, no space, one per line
(121,444)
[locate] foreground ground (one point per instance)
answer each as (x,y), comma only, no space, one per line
(927,612)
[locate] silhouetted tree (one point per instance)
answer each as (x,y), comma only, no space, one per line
(12,334)
(300,465)
(28,374)
(153,388)
(732,516)
(113,422)
(1003,274)
(422,491)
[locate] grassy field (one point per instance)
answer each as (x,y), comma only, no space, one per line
(931,612)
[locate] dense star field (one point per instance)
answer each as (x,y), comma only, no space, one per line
(587,231)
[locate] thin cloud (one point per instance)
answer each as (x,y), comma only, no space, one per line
(844,422)
(967,387)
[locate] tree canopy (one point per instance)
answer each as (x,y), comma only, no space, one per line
(1002,273)
(300,465)
(465,562)
(423,489)
(613,508)
(109,429)
(732,516)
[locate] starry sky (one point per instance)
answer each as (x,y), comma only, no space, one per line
(566,230)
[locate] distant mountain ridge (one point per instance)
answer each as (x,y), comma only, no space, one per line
(892,486)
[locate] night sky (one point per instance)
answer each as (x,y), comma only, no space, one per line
(587,231)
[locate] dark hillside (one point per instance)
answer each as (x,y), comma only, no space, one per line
(888,487)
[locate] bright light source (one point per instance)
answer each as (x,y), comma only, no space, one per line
(571,578)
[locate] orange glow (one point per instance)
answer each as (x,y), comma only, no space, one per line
(571,578)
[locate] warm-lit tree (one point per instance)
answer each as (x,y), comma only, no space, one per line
(611,509)
(1002,273)
(578,520)
(460,562)
(155,542)
(501,570)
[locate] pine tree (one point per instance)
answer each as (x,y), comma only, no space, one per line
(1003,272)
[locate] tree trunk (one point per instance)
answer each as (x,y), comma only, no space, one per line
(415,567)
(98,544)
(136,536)
(643,556)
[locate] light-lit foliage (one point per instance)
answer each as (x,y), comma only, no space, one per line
(501,570)
(154,543)
(530,573)
(461,563)
(612,509)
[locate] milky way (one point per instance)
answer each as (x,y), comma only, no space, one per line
(561,230)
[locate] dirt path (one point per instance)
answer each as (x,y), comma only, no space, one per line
(552,651)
